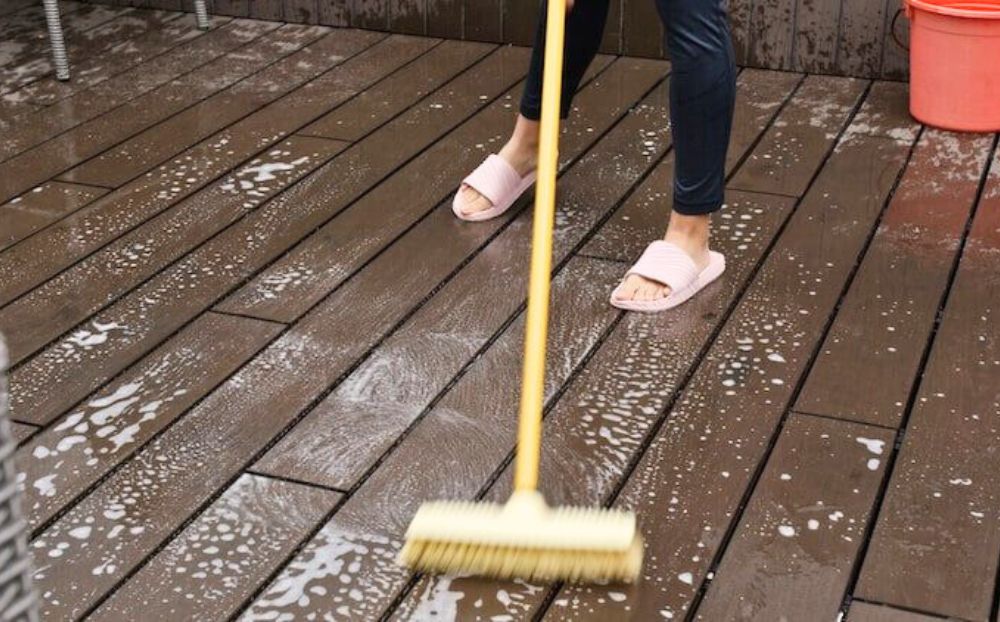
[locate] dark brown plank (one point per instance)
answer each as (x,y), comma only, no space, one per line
(642,33)
(55,156)
(160,36)
(483,20)
(75,294)
(207,571)
(407,16)
(87,443)
(370,14)
(26,214)
(236,8)
(865,612)
(154,311)
(13,7)
(632,376)
(794,147)
(23,62)
(29,264)
(267,9)
(301,11)
(740,16)
(936,546)
(485,396)
(611,42)
(886,112)
(791,555)
(159,143)
(339,422)
(696,470)
(520,20)
(353,120)
(445,18)
(316,271)
(869,361)
(759,94)
(22,430)
(895,59)
(859,46)
(772,34)
(816,30)
(32,130)
(334,12)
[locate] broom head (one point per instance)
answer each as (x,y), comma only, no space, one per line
(525,539)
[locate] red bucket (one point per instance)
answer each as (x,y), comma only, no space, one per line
(955,63)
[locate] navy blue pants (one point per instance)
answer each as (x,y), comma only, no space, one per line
(702,88)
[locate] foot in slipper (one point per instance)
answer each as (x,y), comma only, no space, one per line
(664,277)
(494,186)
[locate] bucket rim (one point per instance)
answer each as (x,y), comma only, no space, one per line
(990,10)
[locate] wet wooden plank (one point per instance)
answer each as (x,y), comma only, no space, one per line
(26,214)
(935,546)
(267,9)
(895,59)
(520,20)
(859,46)
(484,20)
(740,16)
(109,426)
(759,95)
(867,612)
(301,11)
(161,35)
(236,8)
(871,357)
(317,270)
(795,145)
(207,571)
(347,430)
(480,408)
(772,34)
(632,376)
(816,31)
(24,61)
(407,16)
(334,12)
(45,255)
(398,91)
(157,144)
(154,311)
(745,379)
(886,112)
(446,18)
(69,149)
(642,32)
(72,296)
(792,554)
(22,430)
(370,14)
(16,6)
(29,131)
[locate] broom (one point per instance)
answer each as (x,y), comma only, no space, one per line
(525,538)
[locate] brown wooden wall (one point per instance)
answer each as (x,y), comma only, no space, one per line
(841,37)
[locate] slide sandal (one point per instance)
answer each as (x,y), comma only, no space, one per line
(666,263)
(497,181)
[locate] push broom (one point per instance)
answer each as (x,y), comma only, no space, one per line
(525,538)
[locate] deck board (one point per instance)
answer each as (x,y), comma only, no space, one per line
(231,437)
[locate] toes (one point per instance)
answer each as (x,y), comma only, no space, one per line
(471,202)
(637,288)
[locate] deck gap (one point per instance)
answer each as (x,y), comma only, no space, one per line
(247,316)
(292,480)
(806,413)
(931,614)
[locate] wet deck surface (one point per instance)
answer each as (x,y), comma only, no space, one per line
(249,338)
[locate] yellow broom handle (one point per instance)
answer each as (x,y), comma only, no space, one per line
(533,378)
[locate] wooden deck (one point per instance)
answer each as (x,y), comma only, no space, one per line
(249,337)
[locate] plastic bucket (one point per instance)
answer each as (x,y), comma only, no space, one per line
(955,63)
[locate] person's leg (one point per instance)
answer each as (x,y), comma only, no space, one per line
(584,29)
(702,94)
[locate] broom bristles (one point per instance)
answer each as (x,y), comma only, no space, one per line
(524,539)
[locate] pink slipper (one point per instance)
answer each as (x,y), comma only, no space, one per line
(497,181)
(668,264)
